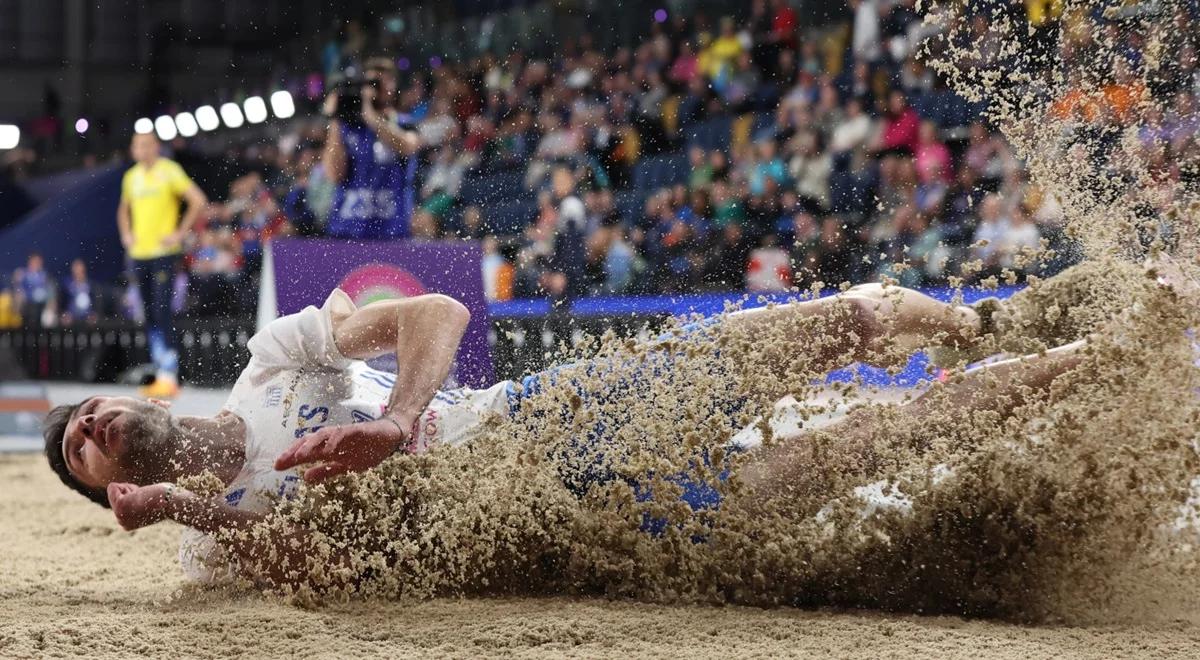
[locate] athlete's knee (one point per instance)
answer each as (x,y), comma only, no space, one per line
(871,291)
(863,316)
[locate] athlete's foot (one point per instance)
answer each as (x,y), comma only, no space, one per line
(161,388)
(980,317)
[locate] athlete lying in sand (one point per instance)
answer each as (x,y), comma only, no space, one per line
(307,399)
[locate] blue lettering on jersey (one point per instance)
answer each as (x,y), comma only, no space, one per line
(306,419)
(287,488)
(376,197)
(235,496)
(358,416)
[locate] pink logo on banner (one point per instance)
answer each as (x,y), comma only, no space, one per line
(307,269)
(376,281)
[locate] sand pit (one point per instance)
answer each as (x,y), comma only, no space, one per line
(1052,509)
(74,584)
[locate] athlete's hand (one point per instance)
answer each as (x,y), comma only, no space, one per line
(329,107)
(174,239)
(138,506)
(368,95)
(341,449)
(370,115)
(126,240)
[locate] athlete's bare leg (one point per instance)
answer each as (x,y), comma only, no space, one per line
(999,387)
(863,320)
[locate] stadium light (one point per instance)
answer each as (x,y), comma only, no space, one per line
(232,114)
(186,124)
(165,128)
(81,125)
(256,109)
(206,117)
(143,125)
(10,135)
(282,105)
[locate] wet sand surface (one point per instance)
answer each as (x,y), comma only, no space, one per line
(73,584)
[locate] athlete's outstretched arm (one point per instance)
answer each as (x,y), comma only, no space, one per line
(424,332)
(276,560)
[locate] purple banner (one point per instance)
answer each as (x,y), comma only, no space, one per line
(306,270)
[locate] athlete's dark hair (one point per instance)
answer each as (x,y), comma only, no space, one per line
(54,427)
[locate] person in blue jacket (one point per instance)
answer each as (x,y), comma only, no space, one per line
(371,159)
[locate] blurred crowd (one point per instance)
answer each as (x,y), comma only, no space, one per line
(717,154)
(34,298)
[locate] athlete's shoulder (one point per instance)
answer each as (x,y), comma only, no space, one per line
(168,165)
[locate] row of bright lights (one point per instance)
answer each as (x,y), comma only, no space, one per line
(186,123)
(10,136)
(253,110)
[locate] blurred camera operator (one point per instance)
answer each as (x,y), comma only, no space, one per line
(370,156)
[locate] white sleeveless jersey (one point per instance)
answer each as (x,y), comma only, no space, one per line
(298,382)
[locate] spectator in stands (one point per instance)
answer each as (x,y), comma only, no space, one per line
(685,68)
(857,82)
(897,29)
(932,156)
(34,291)
(1000,236)
(439,127)
(810,168)
(805,234)
(768,168)
(1124,95)
(837,261)
(622,266)
(570,226)
(784,22)
(153,234)
(744,82)
(375,185)
(439,193)
(498,272)
(1023,237)
(853,130)
(10,315)
(296,203)
(866,36)
(560,143)
(717,60)
(901,126)
(472,224)
(83,301)
(985,154)
(701,168)
(961,202)
(215,270)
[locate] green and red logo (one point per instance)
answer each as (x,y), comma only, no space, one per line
(374,282)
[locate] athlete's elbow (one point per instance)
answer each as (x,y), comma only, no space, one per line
(196,197)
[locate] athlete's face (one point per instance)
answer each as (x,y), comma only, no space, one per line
(144,148)
(119,439)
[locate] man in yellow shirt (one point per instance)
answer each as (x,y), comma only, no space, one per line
(152,233)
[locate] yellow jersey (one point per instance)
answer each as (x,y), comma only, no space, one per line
(153,194)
